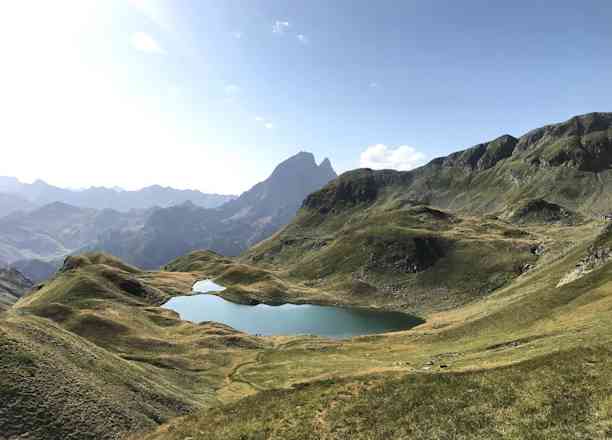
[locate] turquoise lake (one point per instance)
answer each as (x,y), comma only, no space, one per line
(287,319)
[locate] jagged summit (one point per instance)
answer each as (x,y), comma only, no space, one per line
(230,229)
(327,166)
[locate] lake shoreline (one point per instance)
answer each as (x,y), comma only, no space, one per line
(280,318)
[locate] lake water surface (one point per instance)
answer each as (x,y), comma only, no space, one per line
(287,319)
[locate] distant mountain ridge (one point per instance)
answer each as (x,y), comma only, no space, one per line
(40,193)
(57,229)
(230,229)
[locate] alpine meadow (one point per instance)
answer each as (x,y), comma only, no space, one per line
(175,264)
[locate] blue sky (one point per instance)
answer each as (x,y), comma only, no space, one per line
(213,94)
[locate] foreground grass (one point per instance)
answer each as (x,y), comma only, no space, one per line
(559,396)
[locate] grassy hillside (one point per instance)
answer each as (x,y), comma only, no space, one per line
(501,248)
(532,360)
(89,355)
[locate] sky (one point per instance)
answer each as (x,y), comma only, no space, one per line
(211,95)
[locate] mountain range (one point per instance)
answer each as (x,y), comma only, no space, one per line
(36,240)
(229,229)
(18,196)
(58,229)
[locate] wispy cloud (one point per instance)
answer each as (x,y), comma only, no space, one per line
(266,123)
(303,38)
(237,35)
(374,85)
(146,43)
(280,27)
(382,157)
(232,89)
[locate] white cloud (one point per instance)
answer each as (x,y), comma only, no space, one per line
(259,119)
(373,85)
(303,39)
(382,157)
(280,27)
(269,125)
(146,43)
(237,35)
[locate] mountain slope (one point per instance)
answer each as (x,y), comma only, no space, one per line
(89,355)
(444,234)
(10,203)
(229,229)
(37,270)
(12,287)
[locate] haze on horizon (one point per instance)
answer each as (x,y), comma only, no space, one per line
(211,95)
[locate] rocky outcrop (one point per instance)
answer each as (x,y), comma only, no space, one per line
(598,254)
(540,211)
(408,256)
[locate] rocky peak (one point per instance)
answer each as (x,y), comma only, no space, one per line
(326,167)
(583,142)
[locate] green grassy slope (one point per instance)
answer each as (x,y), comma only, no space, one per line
(503,249)
(89,355)
(561,396)
(532,360)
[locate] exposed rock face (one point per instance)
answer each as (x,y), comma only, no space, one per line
(409,256)
(541,211)
(12,286)
(583,142)
(255,215)
(596,257)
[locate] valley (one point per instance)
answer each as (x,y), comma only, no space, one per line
(502,249)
